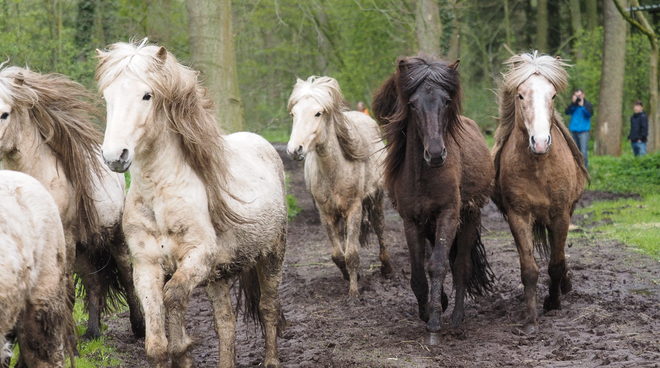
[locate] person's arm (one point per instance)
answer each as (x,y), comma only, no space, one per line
(644,127)
(570,108)
(633,129)
(589,107)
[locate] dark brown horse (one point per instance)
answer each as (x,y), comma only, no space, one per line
(536,185)
(439,174)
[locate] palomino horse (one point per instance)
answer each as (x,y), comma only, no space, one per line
(202,207)
(33,282)
(343,170)
(536,185)
(46,132)
(439,174)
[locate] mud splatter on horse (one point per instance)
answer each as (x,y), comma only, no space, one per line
(540,173)
(202,208)
(439,175)
(47,133)
(33,282)
(343,156)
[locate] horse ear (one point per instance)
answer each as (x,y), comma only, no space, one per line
(162,54)
(298,80)
(402,65)
(454,65)
(98,52)
(558,57)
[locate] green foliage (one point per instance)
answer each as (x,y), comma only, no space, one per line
(292,208)
(626,174)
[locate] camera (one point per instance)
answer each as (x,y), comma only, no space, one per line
(578,100)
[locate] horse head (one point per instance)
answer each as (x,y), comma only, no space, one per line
(431,91)
(535,103)
(10,110)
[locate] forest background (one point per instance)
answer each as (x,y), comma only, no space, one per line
(354,41)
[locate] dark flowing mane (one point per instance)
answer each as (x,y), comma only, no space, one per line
(521,67)
(62,111)
(391,110)
(325,90)
(188,110)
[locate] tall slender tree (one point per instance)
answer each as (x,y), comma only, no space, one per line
(542,25)
(212,53)
(610,117)
(592,14)
(576,24)
(429,27)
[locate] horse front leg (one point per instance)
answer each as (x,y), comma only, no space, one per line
(377,219)
(149,279)
(438,264)
(416,249)
(521,228)
(557,269)
(331,226)
(225,321)
(352,254)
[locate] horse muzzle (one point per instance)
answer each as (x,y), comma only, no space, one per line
(296,154)
(540,147)
(119,164)
(435,160)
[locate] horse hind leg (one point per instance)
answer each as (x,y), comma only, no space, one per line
(92,283)
(122,258)
(529,270)
(377,218)
(270,310)
(462,269)
(557,269)
(225,321)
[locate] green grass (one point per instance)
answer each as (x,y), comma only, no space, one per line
(95,353)
(631,221)
(275,135)
(292,208)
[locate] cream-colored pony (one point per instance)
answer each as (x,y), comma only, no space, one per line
(343,156)
(33,284)
(46,132)
(202,207)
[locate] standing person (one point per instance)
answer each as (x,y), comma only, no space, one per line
(639,129)
(581,112)
(363,109)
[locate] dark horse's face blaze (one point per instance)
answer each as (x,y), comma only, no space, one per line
(429,105)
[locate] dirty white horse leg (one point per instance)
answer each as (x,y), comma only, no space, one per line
(352,253)
(225,321)
(270,276)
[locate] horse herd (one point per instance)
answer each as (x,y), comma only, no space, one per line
(205,209)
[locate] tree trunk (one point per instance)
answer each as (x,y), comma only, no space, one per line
(429,27)
(212,53)
(576,25)
(592,14)
(455,42)
(542,25)
(608,137)
(507,25)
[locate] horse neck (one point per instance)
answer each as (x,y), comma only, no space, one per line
(34,157)
(328,151)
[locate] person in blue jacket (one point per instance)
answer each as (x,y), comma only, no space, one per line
(639,129)
(581,112)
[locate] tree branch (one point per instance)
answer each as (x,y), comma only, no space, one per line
(648,32)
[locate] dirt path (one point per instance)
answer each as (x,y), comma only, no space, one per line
(612,317)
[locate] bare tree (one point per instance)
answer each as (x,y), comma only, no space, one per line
(576,24)
(608,137)
(429,27)
(542,25)
(643,25)
(212,53)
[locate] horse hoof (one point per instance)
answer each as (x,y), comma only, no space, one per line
(549,304)
(353,295)
(432,338)
(386,269)
(530,329)
(456,321)
(566,284)
(433,325)
(444,300)
(139,329)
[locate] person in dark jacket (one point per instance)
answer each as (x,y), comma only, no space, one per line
(581,112)
(639,129)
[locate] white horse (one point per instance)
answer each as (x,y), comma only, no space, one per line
(202,207)
(343,170)
(33,284)
(46,132)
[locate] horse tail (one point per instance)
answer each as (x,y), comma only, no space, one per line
(482,276)
(541,239)
(365,225)
(249,294)
(103,264)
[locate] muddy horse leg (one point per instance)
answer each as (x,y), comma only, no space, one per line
(438,265)
(416,249)
(557,268)
(91,281)
(122,257)
(149,279)
(462,269)
(225,321)
(377,219)
(352,253)
(270,276)
(521,228)
(331,226)
(192,271)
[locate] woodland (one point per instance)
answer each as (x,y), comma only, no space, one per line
(250,52)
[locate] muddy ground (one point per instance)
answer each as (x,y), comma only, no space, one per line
(611,318)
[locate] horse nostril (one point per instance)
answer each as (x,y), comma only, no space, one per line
(299,150)
(427,156)
(444,153)
(533,140)
(549,139)
(124,155)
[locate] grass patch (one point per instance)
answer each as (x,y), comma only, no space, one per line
(275,135)
(633,222)
(292,208)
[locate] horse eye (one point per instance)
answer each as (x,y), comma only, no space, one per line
(412,105)
(447,102)
(146,97)
(520,96)
(4,116)
(317,114)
